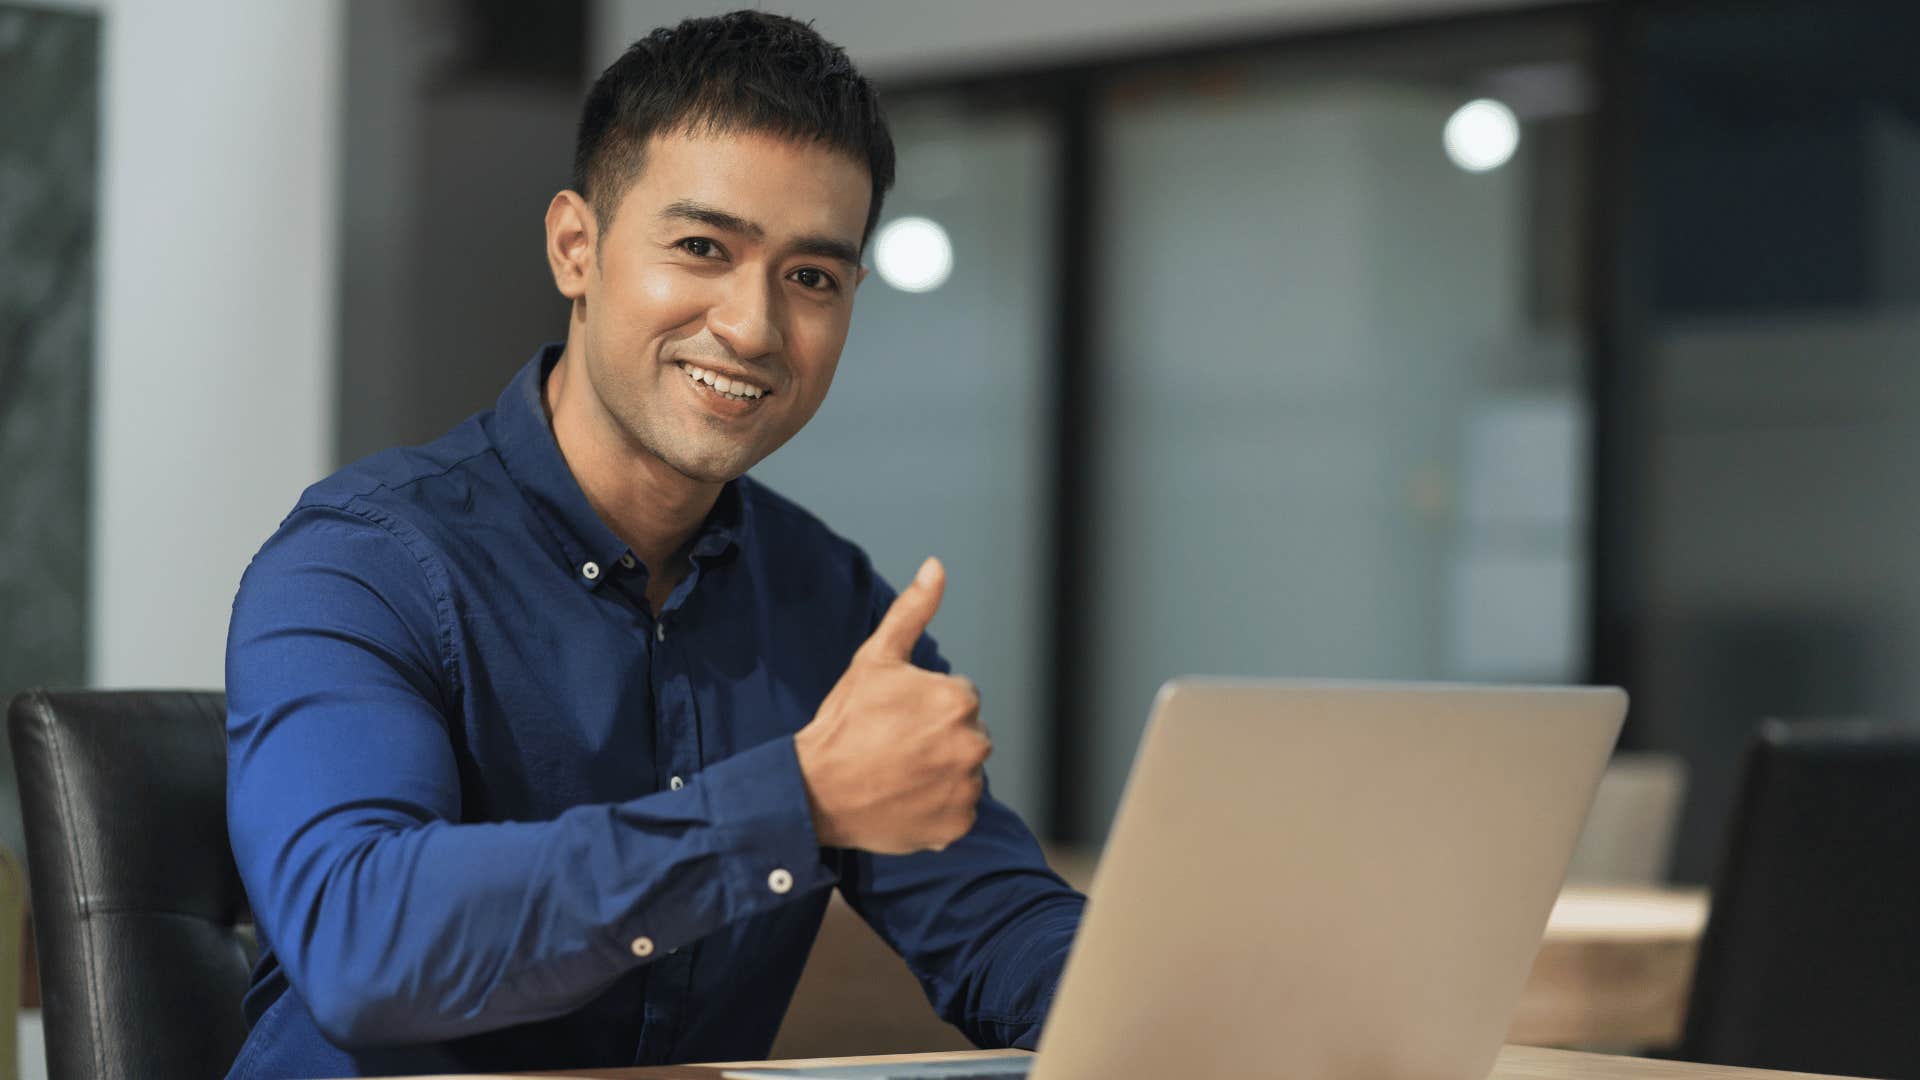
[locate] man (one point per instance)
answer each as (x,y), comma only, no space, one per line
(547,739)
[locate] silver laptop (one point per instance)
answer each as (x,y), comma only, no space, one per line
(1317,879)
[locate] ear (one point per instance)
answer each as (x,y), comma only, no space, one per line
(859,276)
(571,235)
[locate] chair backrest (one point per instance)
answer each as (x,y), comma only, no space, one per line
(137,905)
(1811,958)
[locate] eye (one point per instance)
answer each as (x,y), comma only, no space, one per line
(699,247)
(812,277)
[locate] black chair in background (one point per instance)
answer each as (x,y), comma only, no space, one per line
(1811,958)
(138,910)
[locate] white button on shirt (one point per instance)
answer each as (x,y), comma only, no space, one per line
(780,881)
(590,570)
(643,947)
(627,561)
(676,783)
(660,631)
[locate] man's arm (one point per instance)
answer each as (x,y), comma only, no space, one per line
(983,923)
(396,924)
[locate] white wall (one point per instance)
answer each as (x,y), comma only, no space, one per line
(907,37)
(212,385)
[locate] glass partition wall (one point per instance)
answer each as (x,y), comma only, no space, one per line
(940,409)
(1284,348)
(1768,398)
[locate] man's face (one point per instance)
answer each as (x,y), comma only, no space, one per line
(731,262)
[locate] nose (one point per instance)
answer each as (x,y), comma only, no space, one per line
(747,318)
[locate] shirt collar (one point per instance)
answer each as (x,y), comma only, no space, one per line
(523,436)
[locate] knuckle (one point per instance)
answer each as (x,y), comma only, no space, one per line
(970,692)
(960,699)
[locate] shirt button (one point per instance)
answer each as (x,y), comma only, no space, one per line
(780,881)
(676,783)
(627,560)
(643,947)
(660,630)
(590,571)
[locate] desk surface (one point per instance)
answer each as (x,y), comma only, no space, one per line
(1516,1063)
(1627,914)
(1614,969)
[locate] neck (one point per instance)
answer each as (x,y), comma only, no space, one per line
(651,506)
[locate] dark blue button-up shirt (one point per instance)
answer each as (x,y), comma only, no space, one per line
(492,813)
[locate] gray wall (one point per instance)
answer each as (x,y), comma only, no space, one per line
(917,37)
(448,167)
(49,134)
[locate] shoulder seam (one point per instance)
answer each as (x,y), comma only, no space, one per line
(430,571)
(380,485)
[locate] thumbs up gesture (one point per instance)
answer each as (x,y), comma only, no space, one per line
(892,761)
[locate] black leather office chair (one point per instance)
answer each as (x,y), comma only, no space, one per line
(1811,959)
(138,911)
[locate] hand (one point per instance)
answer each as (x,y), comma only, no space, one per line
(892,761)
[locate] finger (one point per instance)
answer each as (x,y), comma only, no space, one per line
(973,691)
(907,619)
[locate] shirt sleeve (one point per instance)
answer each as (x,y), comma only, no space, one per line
(984,925)
(396,923)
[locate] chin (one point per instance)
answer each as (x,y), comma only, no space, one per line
(711,468)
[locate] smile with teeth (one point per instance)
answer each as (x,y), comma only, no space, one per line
(737,389)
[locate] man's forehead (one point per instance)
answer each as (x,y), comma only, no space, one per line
(779,186)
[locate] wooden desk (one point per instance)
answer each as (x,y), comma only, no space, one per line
(1516,1063)
(1614,969)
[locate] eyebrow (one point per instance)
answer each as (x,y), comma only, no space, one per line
(817,244)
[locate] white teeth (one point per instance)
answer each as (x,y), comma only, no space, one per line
(733,388)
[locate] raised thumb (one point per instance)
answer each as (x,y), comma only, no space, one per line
(907,619)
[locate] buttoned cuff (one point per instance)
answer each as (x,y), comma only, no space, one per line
(753,850)
(758,801)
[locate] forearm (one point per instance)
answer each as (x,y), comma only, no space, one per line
(985,925)
(417,932)
(1005,1001)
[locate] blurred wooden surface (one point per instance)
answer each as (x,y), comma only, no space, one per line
(1613,970)
(1515,1063)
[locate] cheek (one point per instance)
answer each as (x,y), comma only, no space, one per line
(814,343)
(657,299)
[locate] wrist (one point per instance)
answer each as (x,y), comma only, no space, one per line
(806,750)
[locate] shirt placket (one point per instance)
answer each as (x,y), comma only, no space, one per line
(677,759)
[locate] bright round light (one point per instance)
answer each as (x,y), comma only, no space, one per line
(1481,135)
(913,254)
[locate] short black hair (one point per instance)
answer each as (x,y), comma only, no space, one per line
(746,71)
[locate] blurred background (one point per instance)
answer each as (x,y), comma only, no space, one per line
(1410,339)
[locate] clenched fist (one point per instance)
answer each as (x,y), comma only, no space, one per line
(892,761)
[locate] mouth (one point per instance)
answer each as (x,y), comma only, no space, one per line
(728,395)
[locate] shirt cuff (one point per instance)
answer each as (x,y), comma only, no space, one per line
(756,803)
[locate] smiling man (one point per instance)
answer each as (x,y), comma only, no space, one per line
(548,740)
